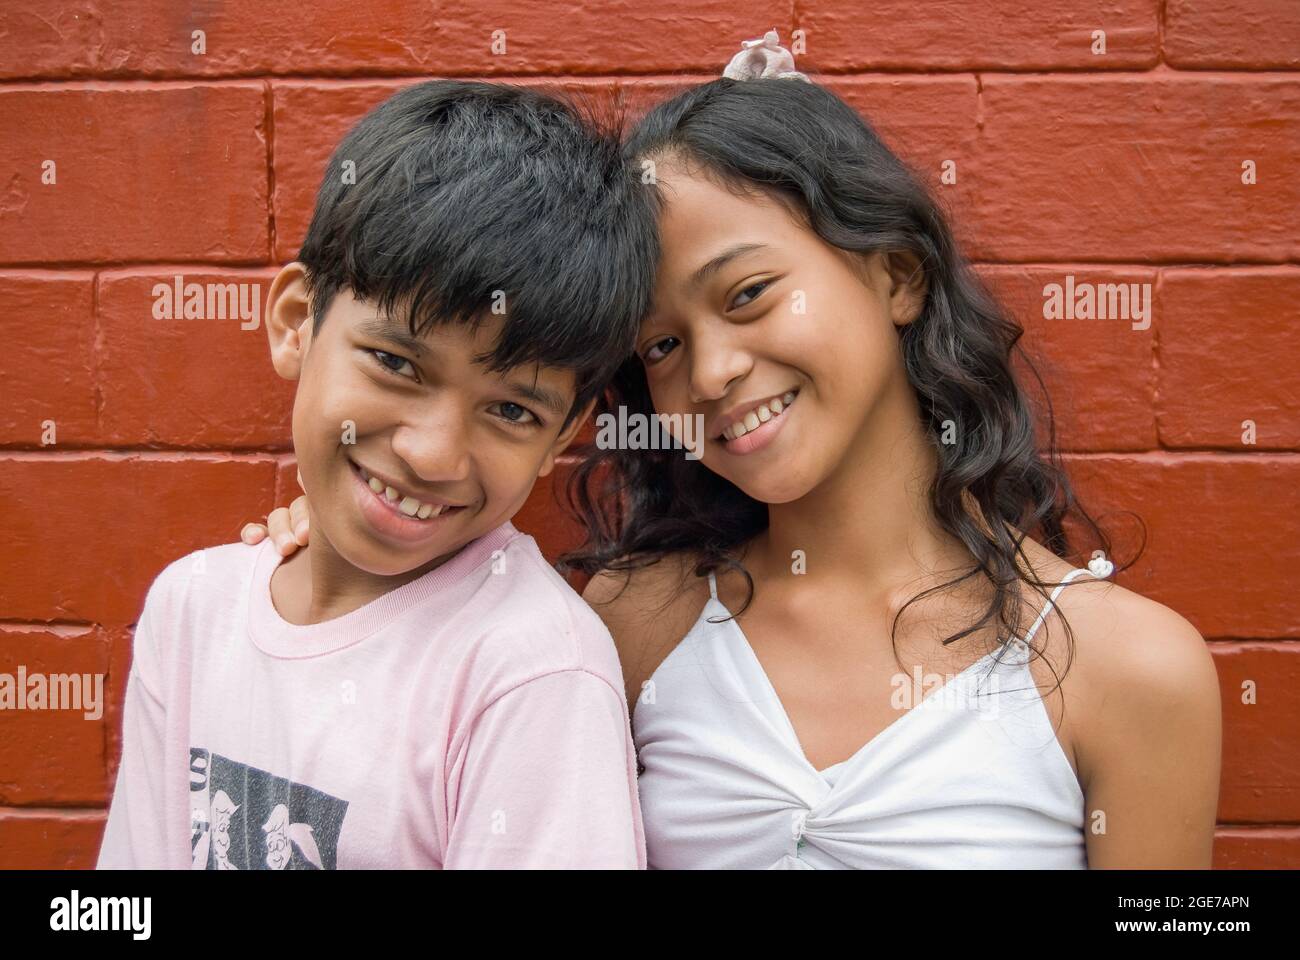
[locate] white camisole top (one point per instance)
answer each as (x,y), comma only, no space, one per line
(971,776)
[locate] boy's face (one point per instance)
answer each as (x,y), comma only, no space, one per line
(454,449)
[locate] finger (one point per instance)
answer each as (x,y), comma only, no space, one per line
(253,533)
(298,519)
(281,531)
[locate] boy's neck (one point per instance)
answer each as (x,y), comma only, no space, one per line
(316,584)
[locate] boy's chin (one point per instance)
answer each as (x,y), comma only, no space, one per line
(383,561)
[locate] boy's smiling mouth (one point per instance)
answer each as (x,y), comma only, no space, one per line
(396,513)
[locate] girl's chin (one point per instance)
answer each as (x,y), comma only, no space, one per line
(771,490)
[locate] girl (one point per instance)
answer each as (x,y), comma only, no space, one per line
(849,632)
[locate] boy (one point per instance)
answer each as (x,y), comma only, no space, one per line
(418,688)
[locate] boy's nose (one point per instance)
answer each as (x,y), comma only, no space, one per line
(435,451)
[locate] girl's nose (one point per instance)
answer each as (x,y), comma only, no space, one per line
(716,361)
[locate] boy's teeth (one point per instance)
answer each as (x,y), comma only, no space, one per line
(759,415)
(408,505)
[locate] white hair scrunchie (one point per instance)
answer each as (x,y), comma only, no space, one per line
(764,57)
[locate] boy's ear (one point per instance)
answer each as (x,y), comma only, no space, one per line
(566,437)
(288,320)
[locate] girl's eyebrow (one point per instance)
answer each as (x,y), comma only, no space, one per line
(721,260)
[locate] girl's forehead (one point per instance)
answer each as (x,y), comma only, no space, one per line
(678,182)
(700,247)
(699,214)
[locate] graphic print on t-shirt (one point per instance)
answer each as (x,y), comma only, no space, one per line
(243,818)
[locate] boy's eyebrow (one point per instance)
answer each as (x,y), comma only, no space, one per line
(722,259)
(539,394)
(385,329)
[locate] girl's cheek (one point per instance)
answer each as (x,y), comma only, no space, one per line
(667,399)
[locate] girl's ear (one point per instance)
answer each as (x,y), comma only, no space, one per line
(908,286)
(288,316)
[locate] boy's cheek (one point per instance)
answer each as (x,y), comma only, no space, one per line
(318,441)
(508,479)
(335,414)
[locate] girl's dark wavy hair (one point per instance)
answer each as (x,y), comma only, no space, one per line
(802,145)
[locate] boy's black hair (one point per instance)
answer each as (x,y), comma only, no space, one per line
(468,192)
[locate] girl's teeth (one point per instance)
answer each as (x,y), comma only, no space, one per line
(409,506)
(390,493)
(375,485)
(424,511)
(758,415)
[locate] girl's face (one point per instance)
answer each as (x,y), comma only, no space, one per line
(752,308)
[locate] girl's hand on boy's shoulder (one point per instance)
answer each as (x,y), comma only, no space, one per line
(286,526)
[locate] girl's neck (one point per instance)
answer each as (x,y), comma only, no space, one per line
(870,522)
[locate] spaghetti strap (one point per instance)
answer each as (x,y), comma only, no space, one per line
(713,586)
(1047,607)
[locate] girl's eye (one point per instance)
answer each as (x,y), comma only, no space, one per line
(392,362)
(759,287)
(650,356)
(515,413)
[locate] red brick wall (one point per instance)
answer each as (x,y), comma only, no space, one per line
(1125,165)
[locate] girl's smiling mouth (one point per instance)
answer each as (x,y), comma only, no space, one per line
(753,429)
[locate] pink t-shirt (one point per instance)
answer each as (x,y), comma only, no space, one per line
(474,717)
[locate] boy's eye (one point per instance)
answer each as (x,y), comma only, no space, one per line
(392,362)
(657,351)
(515,413)
(758,288)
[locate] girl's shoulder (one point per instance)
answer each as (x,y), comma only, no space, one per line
(1134,663)
(1118,630)
(648,610)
